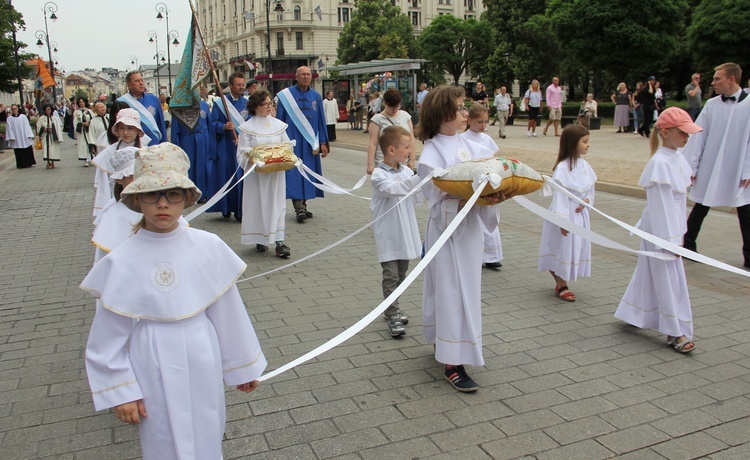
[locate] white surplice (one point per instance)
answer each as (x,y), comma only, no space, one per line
(493,245)
(18,132)
(97,129)
(657,296)
(396,234)
(192,330)
(103,186)
(568,256)
(452,298)
(264,194)
(719,156)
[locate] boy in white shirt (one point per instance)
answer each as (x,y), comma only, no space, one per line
(397,234)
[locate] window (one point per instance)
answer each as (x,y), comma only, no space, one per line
(297,13)
(280,42)
(298,40)
(415,3)
(471,5)
(416,18)
(344,14)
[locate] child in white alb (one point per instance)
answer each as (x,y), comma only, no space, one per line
(565,255)
(657,296)
(397,234)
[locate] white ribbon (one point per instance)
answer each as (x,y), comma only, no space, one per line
(377,311)
(492,178)
(220,194)
(326,185)
(671,247)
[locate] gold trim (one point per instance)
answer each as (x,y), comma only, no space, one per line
(260,353)
(655,309)
(114,387)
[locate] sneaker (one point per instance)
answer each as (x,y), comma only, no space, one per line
(261,247)
(401,316)
(395,326)
(533,134)
(528,133)
(460,379)
(282,250)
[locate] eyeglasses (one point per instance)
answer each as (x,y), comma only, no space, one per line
(463,110)
(176,195)
(267,104)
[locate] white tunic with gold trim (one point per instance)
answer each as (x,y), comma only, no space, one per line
(192,329)
(264,194)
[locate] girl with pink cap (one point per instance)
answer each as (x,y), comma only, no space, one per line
(657,296)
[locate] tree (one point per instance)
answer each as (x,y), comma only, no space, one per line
(377,30)
(455,46)
(718,34)
(10,21)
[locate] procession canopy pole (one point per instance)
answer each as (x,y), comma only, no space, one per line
(213,69)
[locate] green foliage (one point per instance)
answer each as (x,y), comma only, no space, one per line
(10,20)
(81,93)
(377,30)
(455,46)
(718,33)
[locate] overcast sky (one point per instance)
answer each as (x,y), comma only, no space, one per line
(103,33)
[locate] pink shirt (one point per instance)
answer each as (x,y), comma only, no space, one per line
(554,97)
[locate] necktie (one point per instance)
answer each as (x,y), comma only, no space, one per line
(728,98)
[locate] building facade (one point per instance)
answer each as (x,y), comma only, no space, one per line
(269,39)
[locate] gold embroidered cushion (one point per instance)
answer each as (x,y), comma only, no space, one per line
(516,178)
(273,157)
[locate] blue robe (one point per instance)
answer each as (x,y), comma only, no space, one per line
(197,145)
(153,105)
(311,105)
(223,162)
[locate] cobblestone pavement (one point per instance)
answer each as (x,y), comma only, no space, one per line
(561,381)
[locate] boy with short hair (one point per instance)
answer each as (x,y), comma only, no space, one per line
(397,234)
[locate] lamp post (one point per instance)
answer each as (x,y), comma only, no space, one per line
(154,38)
(278,9)
(162,8)
(51,8)
(134,61)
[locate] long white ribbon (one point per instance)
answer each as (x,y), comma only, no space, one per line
(327,185)
(377,311)
(220,194)
(344,239)
(671,247)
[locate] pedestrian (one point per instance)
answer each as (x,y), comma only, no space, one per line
(331,110)
(391,116)
(310,138)
(397,234)
(479,116)
(719,156)
(264,192)
(49,129)
(533,102)
(99,126)
(637,109)
(452,297)
(373,109)
(503,108)
(351,112)
(554,105)
(657,296)
(148,106)
(82,120)
(565,255)
(164,372)
(647,100)
(421,94)
(694,96)
(623,101)
(18,134)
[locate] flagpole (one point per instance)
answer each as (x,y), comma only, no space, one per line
(213,70)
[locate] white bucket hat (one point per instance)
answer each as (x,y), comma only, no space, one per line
(128,117)
(160,167)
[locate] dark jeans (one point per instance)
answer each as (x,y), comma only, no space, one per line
(648,118)
(695,220)
(694,112)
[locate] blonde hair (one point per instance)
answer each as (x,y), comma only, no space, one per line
(534,84)
(391,136)
(730,69)
(621,85)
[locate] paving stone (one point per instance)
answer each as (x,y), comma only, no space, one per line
(690,446)
(522,444)
(298,434)
(631,439)
(348,442)
(587,449)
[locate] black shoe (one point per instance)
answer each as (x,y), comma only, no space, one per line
(460,379)
(261,247)
(690,247)
(226,215)
(309,214)
(282,250)
(301,216)
(747,264)
(493,265)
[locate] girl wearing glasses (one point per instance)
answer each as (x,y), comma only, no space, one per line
(164,372)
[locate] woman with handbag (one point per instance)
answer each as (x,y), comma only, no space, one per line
(50,134)
(81,120)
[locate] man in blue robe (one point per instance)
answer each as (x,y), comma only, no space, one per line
(310,104)
(224,162)
(148,102)
(197,144)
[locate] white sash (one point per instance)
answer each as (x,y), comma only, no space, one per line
(298,118)
(234,115)
(146,117)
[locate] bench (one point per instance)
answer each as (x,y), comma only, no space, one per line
(594,122)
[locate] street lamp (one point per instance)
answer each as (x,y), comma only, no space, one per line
(162,8)
(134,61)
(51,8)
(154,38)
(278,9)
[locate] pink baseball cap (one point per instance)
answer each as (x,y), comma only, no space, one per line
(675,117)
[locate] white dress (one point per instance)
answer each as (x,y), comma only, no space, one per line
(452,298)
(568,256)
(396,234)
(264,194)
(657,296)
(83,138)
(192,329)
(720,154)
(52,137)
(493,245)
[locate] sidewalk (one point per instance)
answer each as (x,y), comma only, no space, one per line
(561,380)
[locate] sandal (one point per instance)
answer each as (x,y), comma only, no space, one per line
(565,294)
(680,347)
